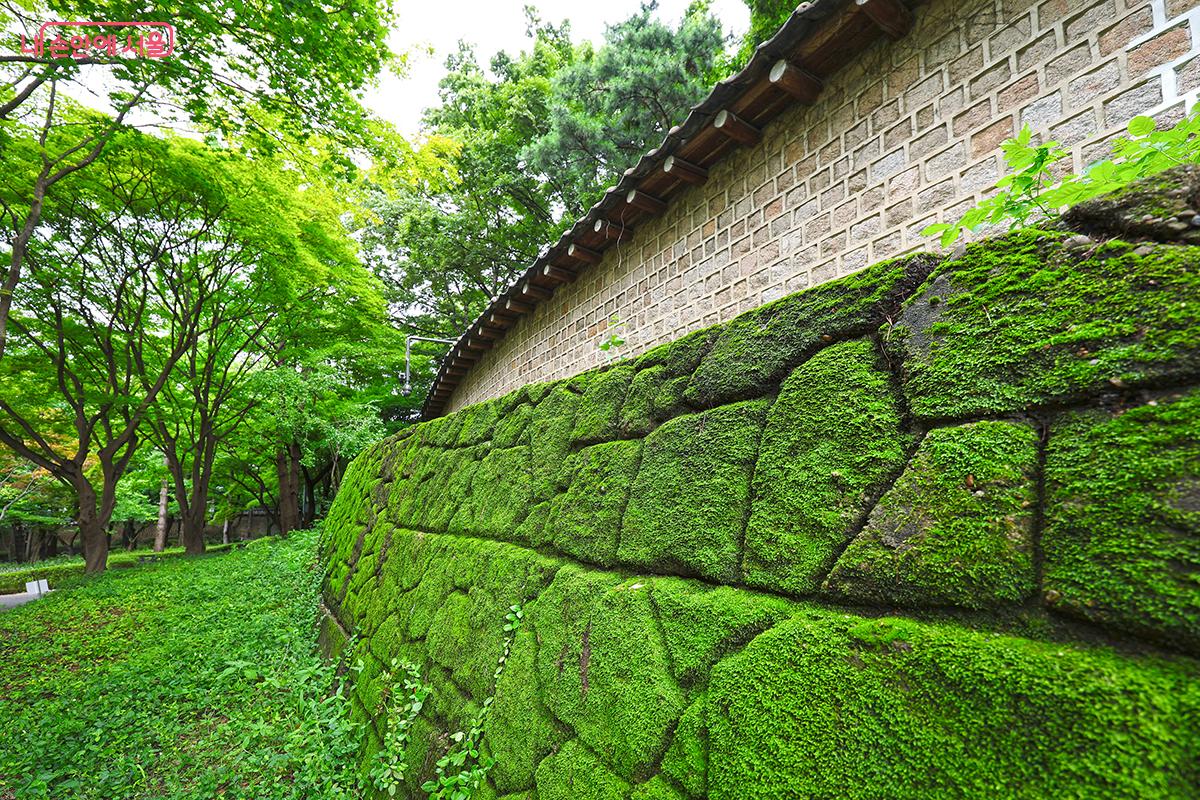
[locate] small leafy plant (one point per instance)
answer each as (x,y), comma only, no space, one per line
(615,338)
(464,756)
(1030,191)
(403,708)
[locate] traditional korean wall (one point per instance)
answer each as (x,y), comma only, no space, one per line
(908,136)
(931,530)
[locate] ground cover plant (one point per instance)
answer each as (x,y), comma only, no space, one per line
(14,575)
(190,678)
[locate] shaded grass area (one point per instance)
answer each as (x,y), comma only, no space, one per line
(14,576)
(189,678)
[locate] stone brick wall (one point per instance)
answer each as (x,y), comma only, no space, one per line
(908,136)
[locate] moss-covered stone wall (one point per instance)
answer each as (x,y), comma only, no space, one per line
(931,530)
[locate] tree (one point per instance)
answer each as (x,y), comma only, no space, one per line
(609,106)
(264,71)
(113,299)
(540,134)
(766,17)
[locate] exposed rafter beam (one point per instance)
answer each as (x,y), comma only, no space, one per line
(581,253)
(685,171)
(736,128)
(892,16)
(799,83)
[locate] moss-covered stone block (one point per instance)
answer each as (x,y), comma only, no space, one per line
(702,624)
(656,789)
(956,528)
(512,427)
(688,504)
(478,422)
(1023,321)
(450,630)
(638,415)
(1122,531)
(1154,207)
(832,443)
(604,669)
(585,522)
(681,356)
(533,530)
(598,417)
(757,350)
(839,707)
(522,731)
(550,438)
(669,400)
(443,490)
(501,494)
(574,773)
(686,760)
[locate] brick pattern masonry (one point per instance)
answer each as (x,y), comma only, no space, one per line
(908,136)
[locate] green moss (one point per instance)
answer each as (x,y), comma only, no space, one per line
(550,438)
(452,490)
(638,416)
(586,521)
(501,493)
(1025,322)
(440,431)
(688,503)
(1122,537)
(702,624)
(574,773)
(478,422)
(656,789)
(809,710)
(522,731)
(686,760)
(832,442)
(756,350)
(598,418)
(669,400)
(533,529)
(957,527)
(451,626)
(1162,198)
(536,392)
(603,668)
(656,393)
(513,426)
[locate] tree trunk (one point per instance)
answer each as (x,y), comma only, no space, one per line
(160,530)
(128,539)
(18,542)
(225,532)
(95,543)
(287,465)
(191,533)
(92,529)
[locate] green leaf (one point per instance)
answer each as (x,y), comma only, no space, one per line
(1141,125)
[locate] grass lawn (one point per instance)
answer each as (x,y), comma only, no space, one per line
(193,677)
(13,576)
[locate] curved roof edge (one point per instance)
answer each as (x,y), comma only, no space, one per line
(818,39)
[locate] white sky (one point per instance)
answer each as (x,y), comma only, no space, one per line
(492,26)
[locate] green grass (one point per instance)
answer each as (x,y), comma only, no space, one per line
(13,576)
(190,678)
